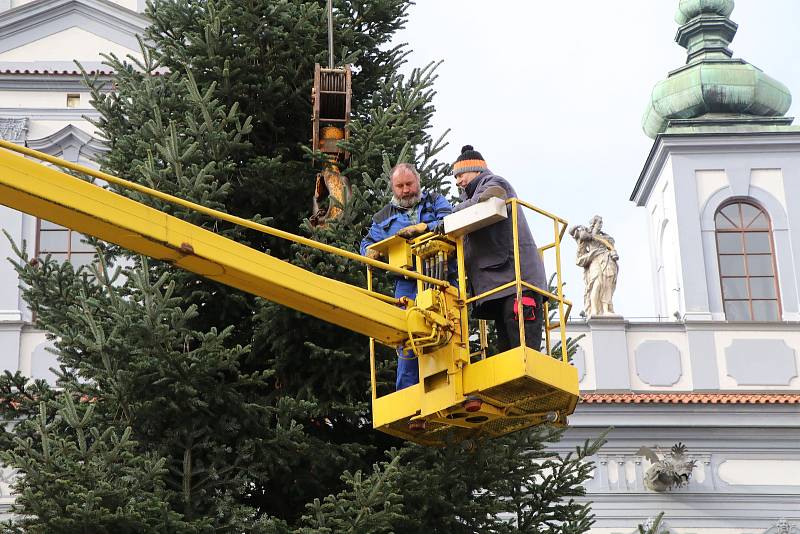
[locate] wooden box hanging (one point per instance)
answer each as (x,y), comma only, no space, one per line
(331,110)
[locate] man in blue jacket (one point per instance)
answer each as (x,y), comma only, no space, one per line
(411,213)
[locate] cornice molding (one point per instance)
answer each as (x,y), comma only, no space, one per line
(706,416)
(70,143)
(71,83)
(666,145)
(36,20)
(50,114)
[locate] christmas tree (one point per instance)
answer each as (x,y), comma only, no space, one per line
(187,406)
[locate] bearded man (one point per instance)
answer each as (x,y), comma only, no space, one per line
(411,213)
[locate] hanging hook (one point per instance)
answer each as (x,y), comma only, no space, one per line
(330,34)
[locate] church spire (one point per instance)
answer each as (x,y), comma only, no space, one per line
(713,89)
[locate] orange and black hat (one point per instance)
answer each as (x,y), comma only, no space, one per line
(469,160)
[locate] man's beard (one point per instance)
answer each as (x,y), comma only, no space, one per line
(407,202)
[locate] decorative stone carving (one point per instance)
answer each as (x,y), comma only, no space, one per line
(777,362)
(658,363)
(673,471)
(782,526)
(599,258)
(7,478)
(653,525)
(14,130)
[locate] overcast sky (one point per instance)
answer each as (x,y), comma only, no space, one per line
(552,95)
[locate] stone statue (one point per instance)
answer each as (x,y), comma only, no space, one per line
(671,471)
(598,257)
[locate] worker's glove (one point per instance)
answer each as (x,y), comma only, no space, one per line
(491,192)
(413,231)
(373,254)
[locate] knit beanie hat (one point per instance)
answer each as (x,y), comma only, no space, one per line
(469,160)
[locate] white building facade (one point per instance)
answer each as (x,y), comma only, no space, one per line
(44,105)
(721,187)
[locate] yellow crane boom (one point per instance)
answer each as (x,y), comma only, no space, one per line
(460,395)
(56,196)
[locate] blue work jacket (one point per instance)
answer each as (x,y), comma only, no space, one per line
(431,209)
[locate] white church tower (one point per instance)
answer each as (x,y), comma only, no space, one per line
(719,370)
(721,185)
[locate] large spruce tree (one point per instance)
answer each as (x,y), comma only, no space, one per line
(187,406)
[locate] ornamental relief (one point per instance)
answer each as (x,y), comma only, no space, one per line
(14,130)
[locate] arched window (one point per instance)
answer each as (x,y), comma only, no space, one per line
(74,145)
(747,262)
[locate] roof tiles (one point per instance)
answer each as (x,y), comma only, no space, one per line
(691,398)
(62,72)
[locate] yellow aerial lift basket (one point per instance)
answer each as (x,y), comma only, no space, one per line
(463,395)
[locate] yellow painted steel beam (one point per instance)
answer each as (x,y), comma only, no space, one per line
(110,178)
(63,199)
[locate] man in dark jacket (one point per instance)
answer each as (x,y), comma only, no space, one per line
(489,257)
(411,213)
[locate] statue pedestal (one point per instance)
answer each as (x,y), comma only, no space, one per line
(610,348)
(608,317)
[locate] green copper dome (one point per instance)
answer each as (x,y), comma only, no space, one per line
(712,87)
(689,9)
